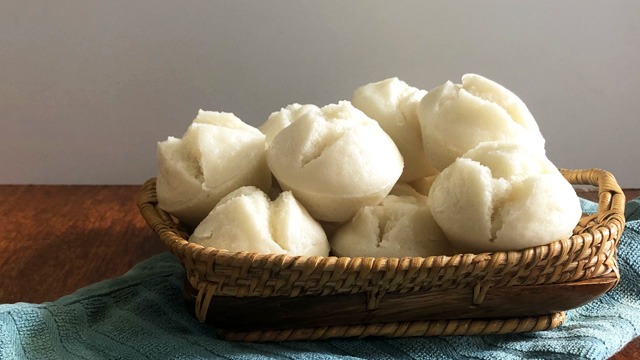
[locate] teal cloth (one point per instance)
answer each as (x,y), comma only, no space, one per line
(141,316)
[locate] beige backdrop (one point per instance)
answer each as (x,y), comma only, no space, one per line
(87,88)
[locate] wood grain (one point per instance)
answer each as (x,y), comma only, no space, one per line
(57,239)
(282,312)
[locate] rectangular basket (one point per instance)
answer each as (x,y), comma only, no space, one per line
(267,297)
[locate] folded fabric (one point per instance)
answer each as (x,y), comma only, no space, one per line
(141,315)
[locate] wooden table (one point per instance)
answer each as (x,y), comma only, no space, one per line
(57,239)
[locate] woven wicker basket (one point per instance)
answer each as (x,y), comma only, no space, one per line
(263,297)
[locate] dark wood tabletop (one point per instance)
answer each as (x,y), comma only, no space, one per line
(56,239)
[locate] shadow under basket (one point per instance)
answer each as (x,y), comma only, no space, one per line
(267,297)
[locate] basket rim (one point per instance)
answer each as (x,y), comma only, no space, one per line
(609,217)
(589,253)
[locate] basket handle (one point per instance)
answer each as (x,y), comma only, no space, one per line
(611,199)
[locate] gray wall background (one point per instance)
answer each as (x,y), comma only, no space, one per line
(87,88)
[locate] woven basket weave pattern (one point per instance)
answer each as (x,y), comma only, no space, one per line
(589,253)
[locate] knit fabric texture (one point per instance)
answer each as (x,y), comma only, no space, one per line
(141,315)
